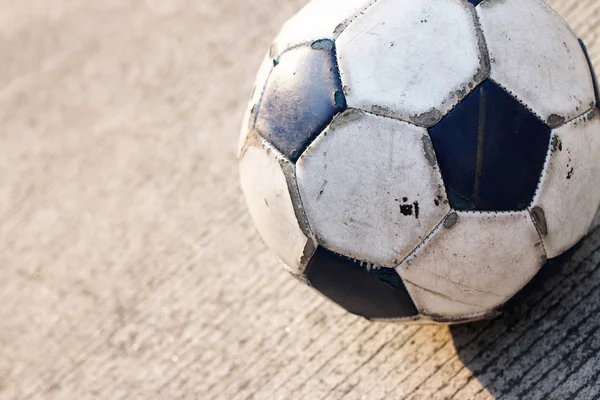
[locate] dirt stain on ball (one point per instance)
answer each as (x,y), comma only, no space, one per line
(429,151)
(409,210)
(451,220)
(556,144)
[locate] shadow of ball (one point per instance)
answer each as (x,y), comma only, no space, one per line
(546,344)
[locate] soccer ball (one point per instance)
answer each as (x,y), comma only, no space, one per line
(421,160)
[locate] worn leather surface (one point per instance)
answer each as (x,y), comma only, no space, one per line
(129,267)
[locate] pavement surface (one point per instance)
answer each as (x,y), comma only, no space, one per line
(129,268)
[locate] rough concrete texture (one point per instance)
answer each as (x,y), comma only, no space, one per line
(129,267)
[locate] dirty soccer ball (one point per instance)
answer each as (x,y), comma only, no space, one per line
(421,160)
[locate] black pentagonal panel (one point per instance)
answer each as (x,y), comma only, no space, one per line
(491,151)
(377,293)
(475,2)
(301,97)
(594,79)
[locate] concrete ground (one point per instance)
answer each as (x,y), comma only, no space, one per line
(129,268)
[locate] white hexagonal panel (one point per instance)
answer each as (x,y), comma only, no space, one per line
(319,19)
(371,188)
(473,263)
(569,194)
(536,56)
(270,204)
(413,60)
(261,80)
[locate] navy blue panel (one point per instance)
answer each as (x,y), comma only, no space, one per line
(375,294)
(491,151)
(301,97)
(475,2)
(594,79)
